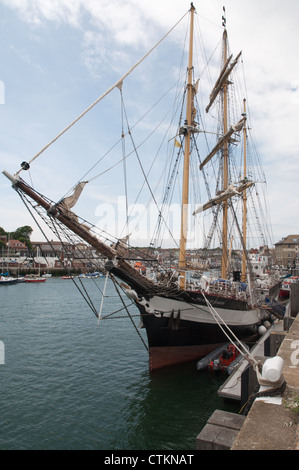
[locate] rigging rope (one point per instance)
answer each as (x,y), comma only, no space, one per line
(87,297)
(124,160)
(122,300)
(128,132)
(219,320)
(146,180)
(117,84)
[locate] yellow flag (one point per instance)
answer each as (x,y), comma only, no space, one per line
(176,143)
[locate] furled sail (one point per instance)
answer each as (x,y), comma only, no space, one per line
(121,246)
(235,128)
(223,196)
(70,201)
(225,72)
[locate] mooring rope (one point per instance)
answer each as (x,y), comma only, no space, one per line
(216,316)
(273,392)
(275,388)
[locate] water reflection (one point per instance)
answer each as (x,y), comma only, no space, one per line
(69,384)
(168,408)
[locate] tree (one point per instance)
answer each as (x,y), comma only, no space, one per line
(23,234)
(24,231)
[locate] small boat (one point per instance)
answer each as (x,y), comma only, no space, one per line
(285,289)
(219,359)
(93,275)
(90,275)
(35,279)
(233,365)
(5,281)
(66,277)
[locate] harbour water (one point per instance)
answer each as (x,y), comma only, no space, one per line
(69,383)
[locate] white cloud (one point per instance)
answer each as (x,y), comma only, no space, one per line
(38,11)
(98,54)
(114,35)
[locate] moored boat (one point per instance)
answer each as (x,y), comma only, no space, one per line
(33,278)
(220,359)
(285,289)
(7,280)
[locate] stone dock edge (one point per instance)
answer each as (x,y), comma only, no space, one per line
(272,423)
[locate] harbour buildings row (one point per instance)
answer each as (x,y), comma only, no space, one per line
(57,255)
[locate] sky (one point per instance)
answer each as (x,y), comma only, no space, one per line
(59,56)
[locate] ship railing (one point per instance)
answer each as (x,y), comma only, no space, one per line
(227,288)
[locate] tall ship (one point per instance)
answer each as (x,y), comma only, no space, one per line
(186,310)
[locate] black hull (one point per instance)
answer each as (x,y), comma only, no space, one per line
(172,340)
(164,332)
(181,328)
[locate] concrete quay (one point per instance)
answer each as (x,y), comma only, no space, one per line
(273,422)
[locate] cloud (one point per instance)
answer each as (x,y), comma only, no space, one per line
(122,19)
(26,58)
(109,30)
(98,54)
(36,12)
(108,37)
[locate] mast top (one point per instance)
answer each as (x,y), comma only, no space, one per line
(224,18)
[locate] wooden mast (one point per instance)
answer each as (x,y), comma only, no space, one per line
(243,278)
(224,262)
(223,143)
(185,190)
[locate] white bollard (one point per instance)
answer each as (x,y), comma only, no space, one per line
(271,372)
(272,369)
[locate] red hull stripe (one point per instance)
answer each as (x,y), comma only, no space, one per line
(166,356)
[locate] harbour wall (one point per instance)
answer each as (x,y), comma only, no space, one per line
(272,422)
